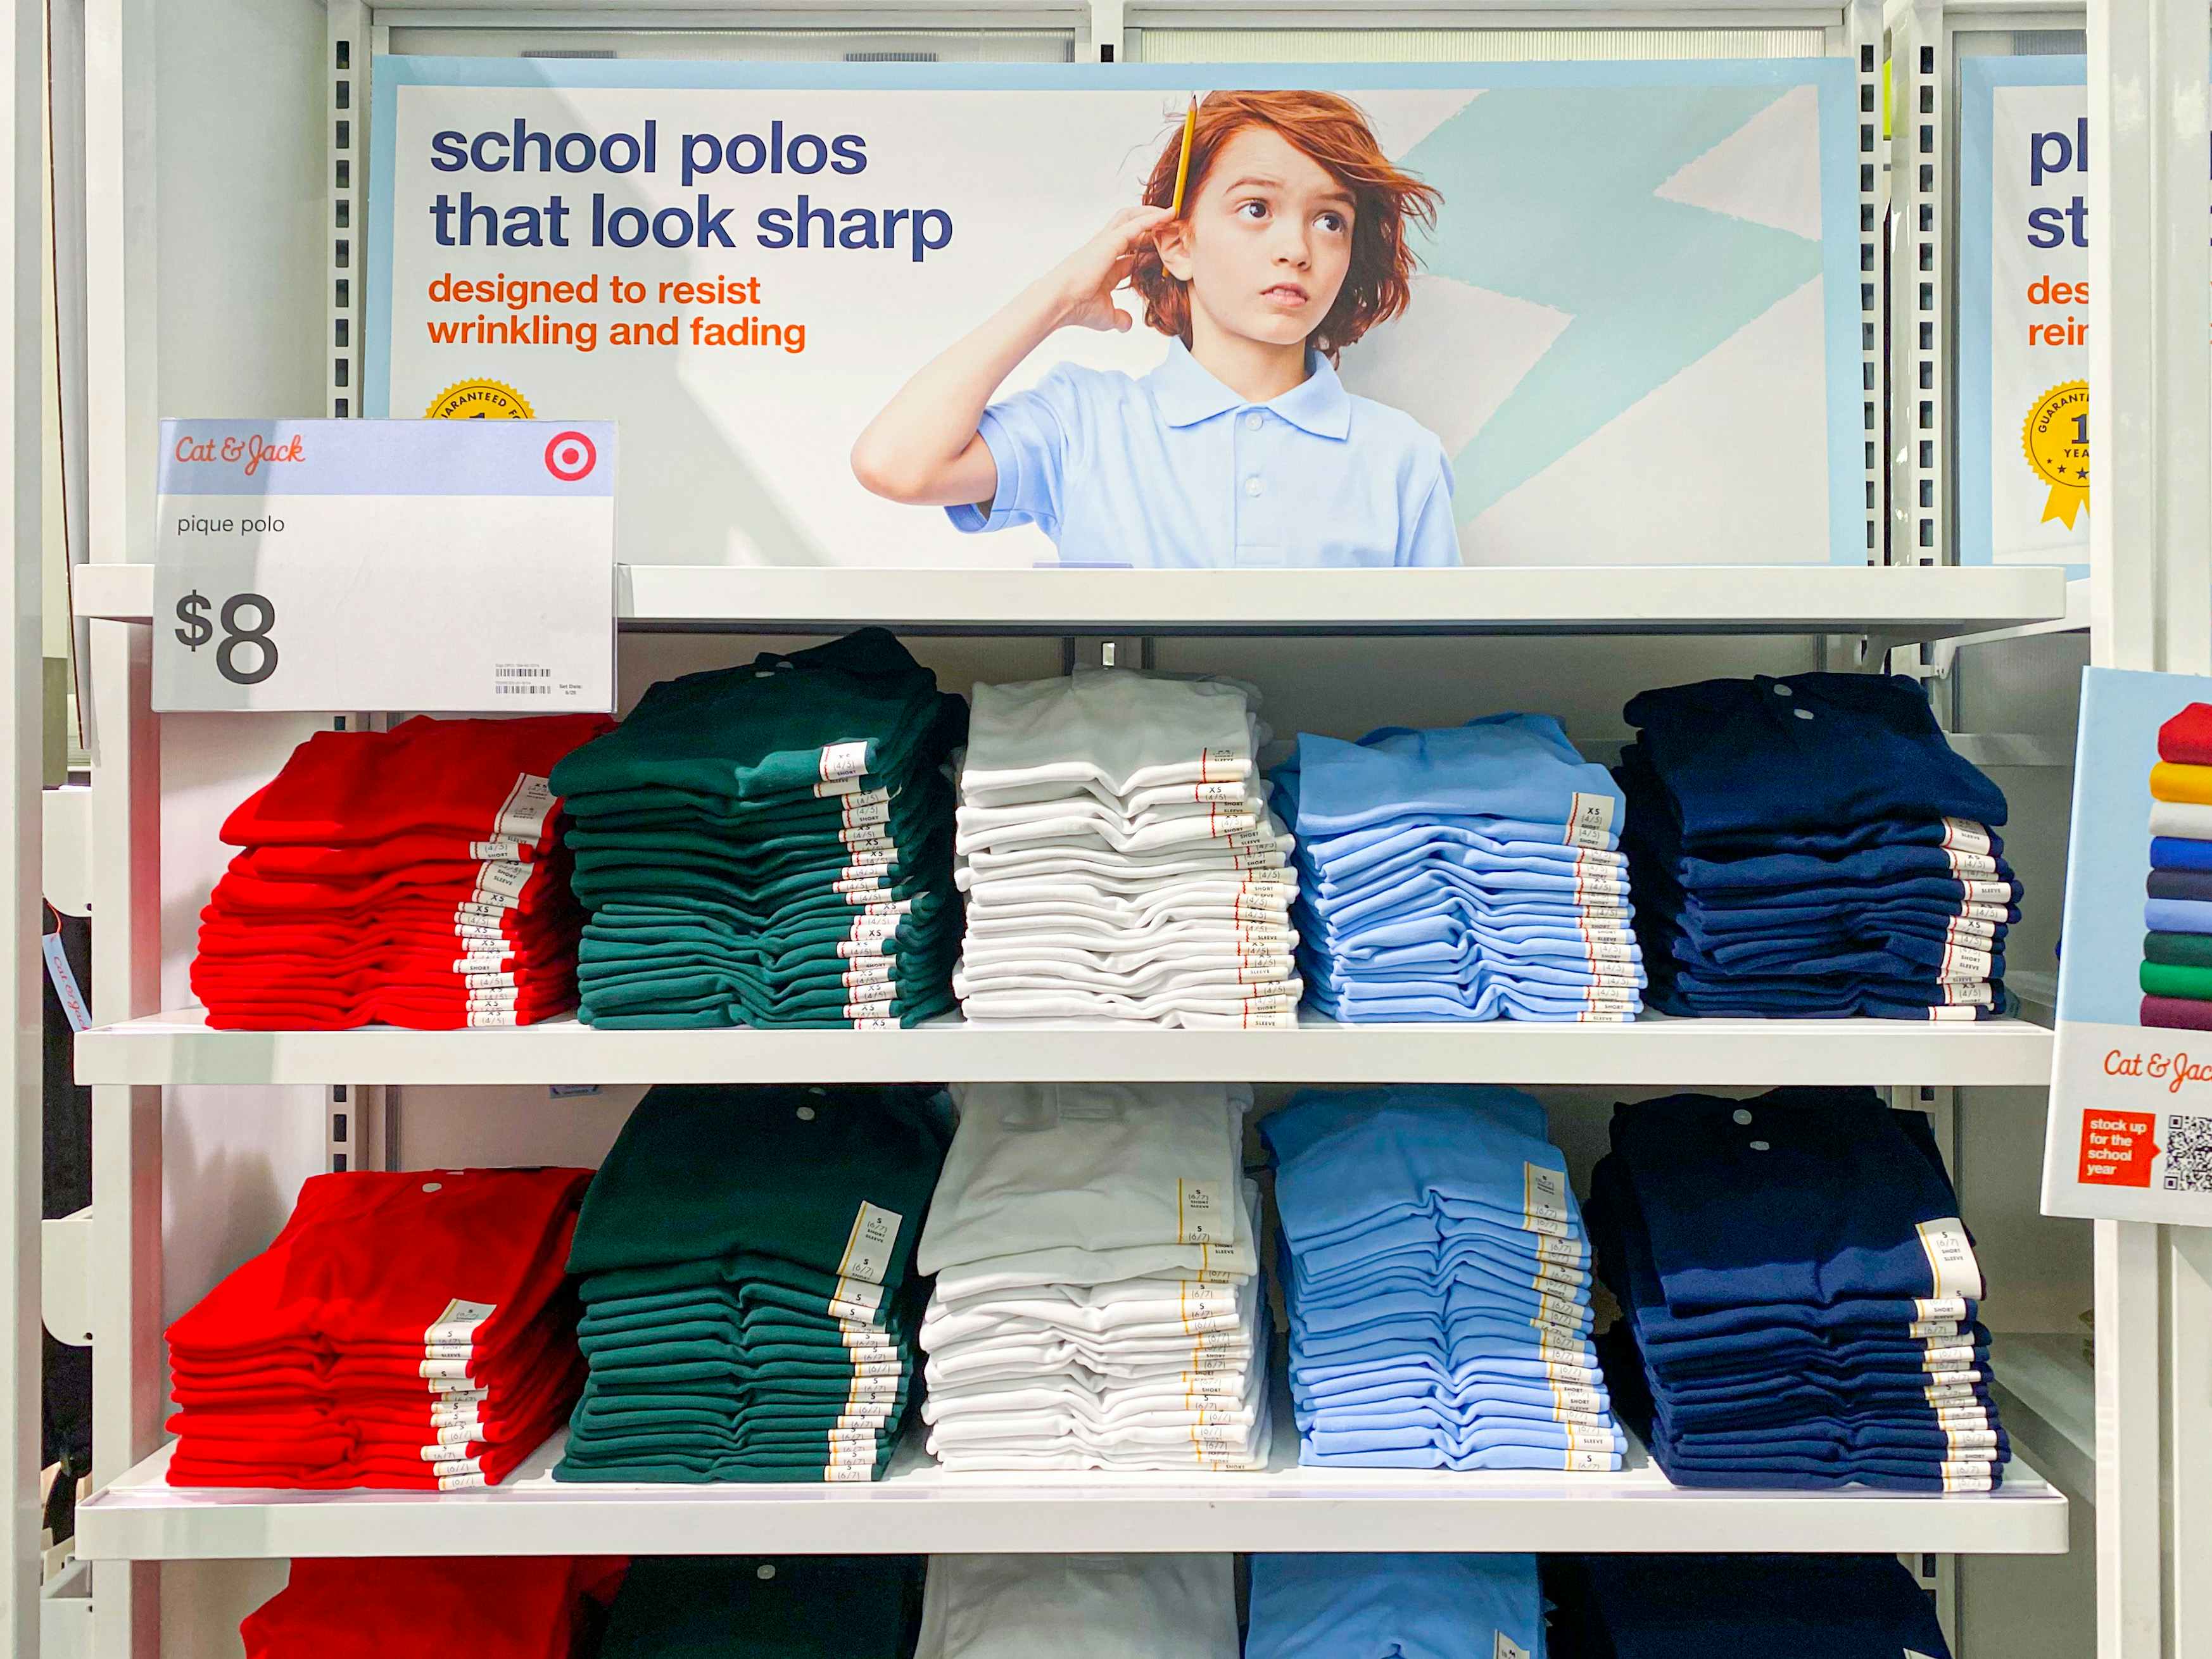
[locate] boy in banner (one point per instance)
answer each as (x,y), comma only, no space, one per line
(1243,447)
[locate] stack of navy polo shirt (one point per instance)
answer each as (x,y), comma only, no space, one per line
(745,1257)
(1471,872)
(1384,1607)
(1693,1607)
(1813,846)
(1436,1273)
(1799,1295)
(771,845)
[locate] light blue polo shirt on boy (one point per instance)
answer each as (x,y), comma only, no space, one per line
(1175,469)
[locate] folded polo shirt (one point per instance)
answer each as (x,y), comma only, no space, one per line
(1079,1606)
(2192,884)
(1806,752)
(2179,852)
(2169,915)
(701,1170)
(1355,1605)
(1685,1606)
(2180,820)
(465,781)
(2176,1013)
(800,1606)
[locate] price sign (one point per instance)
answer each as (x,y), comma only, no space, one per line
(450,567)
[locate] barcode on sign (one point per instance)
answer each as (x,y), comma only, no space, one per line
(2188,1154)
(521,679)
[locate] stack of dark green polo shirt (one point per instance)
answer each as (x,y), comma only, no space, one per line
(771,845)
(804,1606)
(746,1261)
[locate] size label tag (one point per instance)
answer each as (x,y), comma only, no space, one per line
(868,1247)
(1201,1216)
(1952,1269)
(1544,1193)
(1506,1648)
(1589,1463)
(522,815)
(1966,836)
(843,760)
(1589,820)
(459,1322)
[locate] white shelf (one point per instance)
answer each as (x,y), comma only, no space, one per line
(2046,1394)
(918,1508)
(1898,605)
(1653,1052)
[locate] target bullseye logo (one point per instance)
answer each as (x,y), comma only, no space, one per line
(570,456)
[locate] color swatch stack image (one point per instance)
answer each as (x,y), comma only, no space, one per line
(771,845)
(1799,1293)
(1080,1606)
(1436,1276)
(411,877)
(753,1607)
(414,1331)
(525,1606)
(1119,857)
(1097,1298)
(745,1262)
(1470,872)
(1814,846)
(1379,1606)
(1809,1606)
(2177,962)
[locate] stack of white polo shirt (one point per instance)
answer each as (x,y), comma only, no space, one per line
(1098,1300)
(1118,856)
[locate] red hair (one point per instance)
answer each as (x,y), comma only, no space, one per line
(1332,132)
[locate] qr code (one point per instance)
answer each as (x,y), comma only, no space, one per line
(2188,1154)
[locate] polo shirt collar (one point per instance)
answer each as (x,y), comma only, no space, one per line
(1187,394)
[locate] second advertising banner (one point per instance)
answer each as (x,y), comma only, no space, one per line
(1551,313)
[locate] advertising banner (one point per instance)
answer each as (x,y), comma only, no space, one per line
(2128,1136)
(1534,313)
(2024,161)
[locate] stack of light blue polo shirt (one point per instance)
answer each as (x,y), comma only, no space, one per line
(1386,1607)
(1800,1295)
(1813,846)
(1693,1607)
(1437,1277)
(1471,872)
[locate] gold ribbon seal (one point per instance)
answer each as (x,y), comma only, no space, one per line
(479,400)
(2055,438)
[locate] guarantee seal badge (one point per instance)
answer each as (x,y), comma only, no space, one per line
(2055,438)
(479,400)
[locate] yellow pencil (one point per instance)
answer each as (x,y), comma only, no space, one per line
(1183,167)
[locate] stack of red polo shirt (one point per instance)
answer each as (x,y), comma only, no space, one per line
(414,1331)
(414,877)
(484,1607)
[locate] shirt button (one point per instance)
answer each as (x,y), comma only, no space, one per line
(1251,486)
(1252,422)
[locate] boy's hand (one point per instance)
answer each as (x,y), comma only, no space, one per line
(1086,279)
